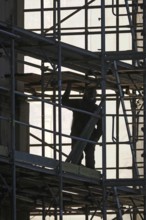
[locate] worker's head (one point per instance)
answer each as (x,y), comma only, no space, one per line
(90,94)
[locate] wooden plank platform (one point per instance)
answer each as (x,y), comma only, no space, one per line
(37,178)
(75,58)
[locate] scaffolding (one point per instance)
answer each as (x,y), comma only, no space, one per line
(92,43)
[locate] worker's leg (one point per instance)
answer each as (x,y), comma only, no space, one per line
(73,144)
(89,156)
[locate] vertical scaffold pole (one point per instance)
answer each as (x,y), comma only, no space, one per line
(13,134)
(103,84)
(59,108)
(144,80)
(13,167)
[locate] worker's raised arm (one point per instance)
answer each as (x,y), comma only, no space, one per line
(73,103)
(65,96)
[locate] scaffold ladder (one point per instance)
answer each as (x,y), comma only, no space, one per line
(131,23)
(134,22)
(121,95)
(134,14)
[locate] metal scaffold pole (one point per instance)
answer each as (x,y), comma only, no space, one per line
(103,84)
(13,130)
(13,115)
(144,74)
(59,108)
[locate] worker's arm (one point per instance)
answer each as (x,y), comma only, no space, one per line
(66,94)
(74,103)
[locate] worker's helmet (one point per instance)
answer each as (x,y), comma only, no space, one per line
(90,94)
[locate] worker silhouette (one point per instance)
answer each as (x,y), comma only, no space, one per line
(80,120)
